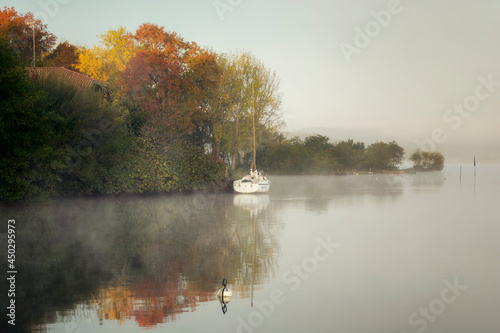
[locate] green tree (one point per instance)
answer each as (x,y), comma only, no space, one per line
(317,143)
(349,154)
(427,161)
(25,132)
(436,161)
(314,155)
(417,159)
(57,138)
(320,155)
(381,155)
(283,156)
(397,153)
(90,139)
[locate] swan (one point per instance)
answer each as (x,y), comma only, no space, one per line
(224,294)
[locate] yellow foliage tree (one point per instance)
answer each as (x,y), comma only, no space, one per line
(107,61)
(244,83)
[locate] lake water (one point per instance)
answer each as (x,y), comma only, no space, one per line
(381,253)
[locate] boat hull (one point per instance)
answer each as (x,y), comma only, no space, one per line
(251,187)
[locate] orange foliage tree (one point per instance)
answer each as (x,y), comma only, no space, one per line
(17,29)
(64,55)
(170,79)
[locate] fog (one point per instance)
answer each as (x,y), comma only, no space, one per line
(346,253)
(458,148)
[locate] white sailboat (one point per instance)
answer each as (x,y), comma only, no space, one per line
(255,182)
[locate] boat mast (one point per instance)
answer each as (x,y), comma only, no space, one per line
(253,128)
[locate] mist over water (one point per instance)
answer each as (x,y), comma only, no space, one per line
(381,253)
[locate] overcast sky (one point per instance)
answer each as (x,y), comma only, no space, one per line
(422,72)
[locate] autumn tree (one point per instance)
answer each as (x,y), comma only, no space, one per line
(246,84)
(169,78)
(219,104)
(230,103)
(17,29)
(64,55)
(107,62)
(199,85)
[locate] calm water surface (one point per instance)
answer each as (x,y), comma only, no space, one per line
(381,253)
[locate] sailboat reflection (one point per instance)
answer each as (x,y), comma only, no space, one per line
(253,203)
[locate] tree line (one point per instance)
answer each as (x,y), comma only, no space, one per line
(179,114)
(317,155)
(179,118)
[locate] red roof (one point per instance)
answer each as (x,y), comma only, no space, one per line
(79,80)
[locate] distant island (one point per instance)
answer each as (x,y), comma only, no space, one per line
(148,112)
(316,155)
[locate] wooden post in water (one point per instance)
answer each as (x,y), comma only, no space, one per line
(474,167)
(474,176)
(253,129)
(460,179)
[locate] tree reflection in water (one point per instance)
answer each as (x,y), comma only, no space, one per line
(146,259)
